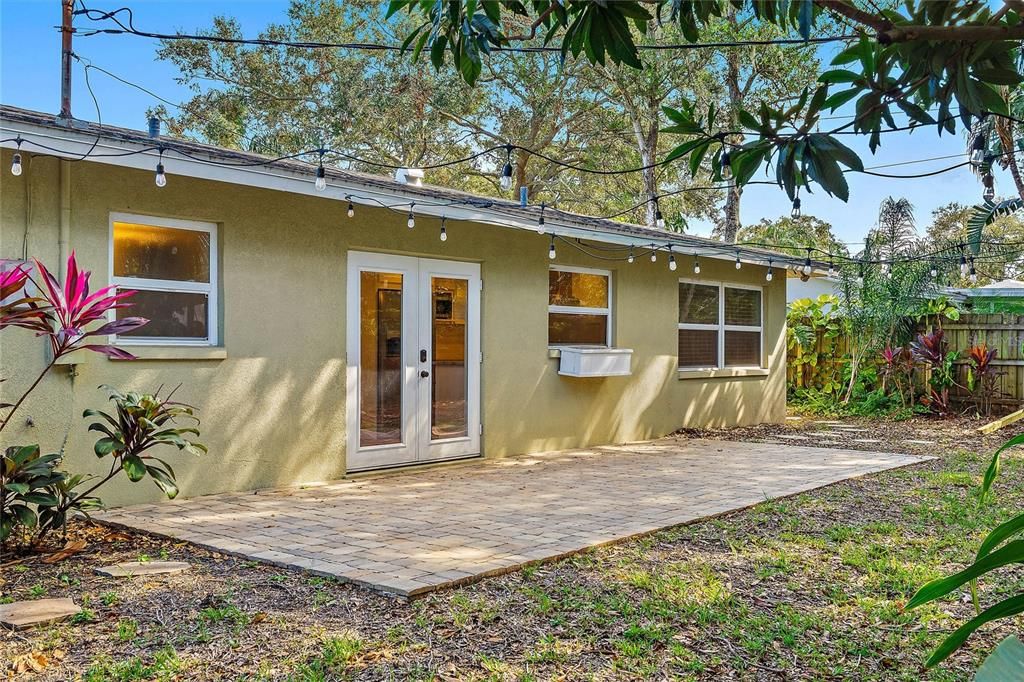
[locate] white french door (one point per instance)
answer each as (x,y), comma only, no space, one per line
(413,376)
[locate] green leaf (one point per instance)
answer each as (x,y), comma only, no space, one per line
(1008,607)
(1000,533)
(840,98)
(839,76)
(993,468)
(134,467)
(685,148)
(104,446)
(1011,553)
(1006,662)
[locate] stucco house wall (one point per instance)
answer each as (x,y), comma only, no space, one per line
(272,398)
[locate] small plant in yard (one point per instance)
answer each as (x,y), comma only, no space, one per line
(1001,547)
(982,377)
(36,494)
(931,351)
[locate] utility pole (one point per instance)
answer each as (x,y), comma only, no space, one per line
(66,30)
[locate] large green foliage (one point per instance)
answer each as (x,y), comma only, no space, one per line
(924,55)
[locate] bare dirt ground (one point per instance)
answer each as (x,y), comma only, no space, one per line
(809,587)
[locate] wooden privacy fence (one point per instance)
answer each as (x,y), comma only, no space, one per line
(1004,332)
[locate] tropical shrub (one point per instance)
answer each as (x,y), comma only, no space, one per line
(36,494)
(982,377)
(814,332)
(931,351)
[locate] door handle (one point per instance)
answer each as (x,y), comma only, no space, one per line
(424,374)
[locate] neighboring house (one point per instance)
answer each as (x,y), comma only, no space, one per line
(1006,296)
(798,287)
(315,344)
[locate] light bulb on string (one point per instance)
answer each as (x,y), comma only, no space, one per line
(659,219)
(671,259)
(973,272)
(654,253)
(963,265)
(411,220)
(696,264)
(506,171)
(161,177)
(795,213)
(738,263)
(860,275)
(321,175)
(934,272)
(16,164)
(807,269)
(551,249)
(989,184)
(630,258)
(444,233)
(726,165)
(540,220)
(831,267)
(768,275)
(977,156)
(351,209)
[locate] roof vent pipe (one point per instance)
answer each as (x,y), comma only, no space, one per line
(410,176)
(154,127)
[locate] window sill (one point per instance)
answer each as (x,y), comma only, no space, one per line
(723,373)
(175,352)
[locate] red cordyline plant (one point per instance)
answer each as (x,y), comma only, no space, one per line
(64,315)
(983,377)
(931,351)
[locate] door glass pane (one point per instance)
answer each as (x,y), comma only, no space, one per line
(161,253)
(380,346)
(171,314)
(448,416)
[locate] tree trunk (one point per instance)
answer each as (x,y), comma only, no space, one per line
(731,218)
(1004,129)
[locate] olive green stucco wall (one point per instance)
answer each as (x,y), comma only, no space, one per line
(273,409)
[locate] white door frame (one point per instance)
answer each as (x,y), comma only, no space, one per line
(415,445)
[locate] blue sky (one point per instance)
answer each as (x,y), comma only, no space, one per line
(30,77)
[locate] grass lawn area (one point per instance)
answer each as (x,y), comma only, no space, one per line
(809,587)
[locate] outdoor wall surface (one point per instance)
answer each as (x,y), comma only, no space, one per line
(273,402)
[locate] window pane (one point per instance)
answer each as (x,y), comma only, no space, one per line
(743,306)
(448,417)
(566,329)
(171,314)
(698,348)
(380,361)
(578,289)
(698,303)
(742,349)
(161,253)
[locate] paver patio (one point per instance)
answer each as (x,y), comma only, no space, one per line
(417,531)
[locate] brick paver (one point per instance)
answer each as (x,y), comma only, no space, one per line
(417,531)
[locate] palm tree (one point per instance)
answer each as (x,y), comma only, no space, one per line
(896,232)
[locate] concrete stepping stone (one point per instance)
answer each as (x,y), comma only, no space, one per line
(920,442)
(792,437)
(828,423)
(21,615)
(866,440)
(135,568)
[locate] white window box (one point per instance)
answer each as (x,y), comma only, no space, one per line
(579,361)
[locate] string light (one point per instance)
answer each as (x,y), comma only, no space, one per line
(831,267)
(444,233)
(738,263)
(860,275)
(768,276)
(973,272)
(671,259)
(659,219)
(351,208)
(551,249)
(161,177)
(321,175)
(654,253)
(977,156)
(963,263)
(795,213)
(807,269)
(16,161)
(631,258)
(411,221)
(540,220)
(989,183)
(934,272)
(726,164)
(506,171)
(696,264)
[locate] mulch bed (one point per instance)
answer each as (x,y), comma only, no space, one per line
(598,615)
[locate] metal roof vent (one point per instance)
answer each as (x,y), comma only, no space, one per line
(410,176)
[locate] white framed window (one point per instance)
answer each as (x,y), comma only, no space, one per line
(171,264)
(720,325)
(579,307)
